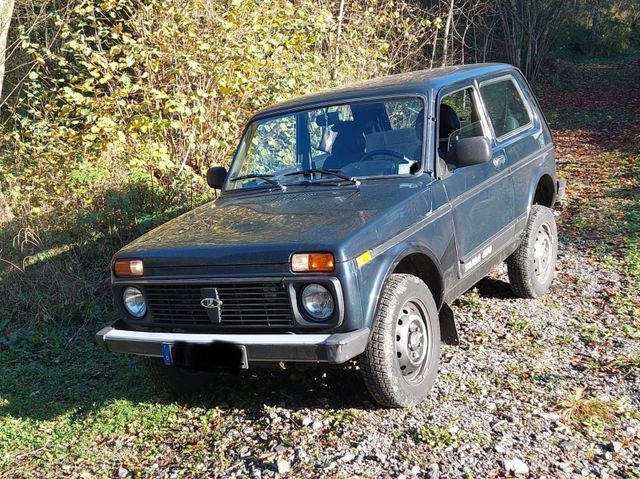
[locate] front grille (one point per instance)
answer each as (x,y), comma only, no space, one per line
(243,304)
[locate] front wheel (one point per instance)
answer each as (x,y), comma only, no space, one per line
(401,361)
(531,267)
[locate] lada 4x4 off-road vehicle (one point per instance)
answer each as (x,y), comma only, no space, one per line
(346,224)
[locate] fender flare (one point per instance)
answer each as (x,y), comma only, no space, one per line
(390,260)
(534,186)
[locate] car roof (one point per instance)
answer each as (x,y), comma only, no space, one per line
(410,83)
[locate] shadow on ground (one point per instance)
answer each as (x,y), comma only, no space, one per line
(43,375)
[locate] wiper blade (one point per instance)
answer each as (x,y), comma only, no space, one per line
(336,173)
(267,178)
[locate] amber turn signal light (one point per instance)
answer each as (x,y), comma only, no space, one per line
(312,262)
(128,267)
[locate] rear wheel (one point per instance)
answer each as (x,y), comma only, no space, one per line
(531,267)
(401,361)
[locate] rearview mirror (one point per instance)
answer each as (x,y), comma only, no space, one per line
(216,177)
(472,151)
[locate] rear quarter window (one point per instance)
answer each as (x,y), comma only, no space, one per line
(505,106)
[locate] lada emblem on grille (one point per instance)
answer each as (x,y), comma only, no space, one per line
(211,303)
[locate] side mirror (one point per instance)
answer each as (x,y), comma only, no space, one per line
(471,151)
(216,177)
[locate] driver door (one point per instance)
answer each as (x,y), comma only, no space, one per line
(481,196)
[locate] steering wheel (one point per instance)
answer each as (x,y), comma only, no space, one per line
(394,154)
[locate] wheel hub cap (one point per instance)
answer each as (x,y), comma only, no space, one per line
(542,252)
(411,341)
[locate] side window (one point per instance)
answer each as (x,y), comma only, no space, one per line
(459,118)
(505,106)
(460,102)
(273,147)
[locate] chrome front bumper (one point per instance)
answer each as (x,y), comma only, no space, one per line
(333,348)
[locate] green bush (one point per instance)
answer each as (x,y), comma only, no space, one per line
(123,105)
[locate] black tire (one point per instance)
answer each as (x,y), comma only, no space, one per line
(174,380)
(531,267)
(406,312)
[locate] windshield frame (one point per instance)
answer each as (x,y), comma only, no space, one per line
(422,163)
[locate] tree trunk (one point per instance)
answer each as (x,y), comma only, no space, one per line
(447,27)
(526,32)
(595,27)
(6,12)
(433,50)
(334,70)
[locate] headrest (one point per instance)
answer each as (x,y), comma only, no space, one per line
(449,121)
(331,118)
(350,139)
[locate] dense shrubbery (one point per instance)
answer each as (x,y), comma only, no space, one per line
(126,104)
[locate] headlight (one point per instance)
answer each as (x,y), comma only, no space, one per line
(317,301)
(134,302)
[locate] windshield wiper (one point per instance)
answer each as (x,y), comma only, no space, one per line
(267,178)
(325,172)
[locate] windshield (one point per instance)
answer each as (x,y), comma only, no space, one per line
(332,144)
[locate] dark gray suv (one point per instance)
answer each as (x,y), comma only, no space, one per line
(346,224)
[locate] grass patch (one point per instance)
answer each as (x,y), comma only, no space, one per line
(63,401)
(519,324)
(622,363)
(590,413)
(582,119)
(434,437)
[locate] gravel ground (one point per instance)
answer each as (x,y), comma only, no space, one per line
(508,400)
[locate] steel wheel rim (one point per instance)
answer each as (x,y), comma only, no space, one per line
(412,338)
(542,252)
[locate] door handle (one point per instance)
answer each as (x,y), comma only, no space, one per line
(499,161)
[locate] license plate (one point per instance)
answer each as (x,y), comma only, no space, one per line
(205,357)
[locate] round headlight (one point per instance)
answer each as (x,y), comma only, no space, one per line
(134,302)
(317,301)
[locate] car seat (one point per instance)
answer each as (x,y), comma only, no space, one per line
(348,147)
(449,122)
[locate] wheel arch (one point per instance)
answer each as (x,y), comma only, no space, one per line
(414,259)
(544,191)
(422,264)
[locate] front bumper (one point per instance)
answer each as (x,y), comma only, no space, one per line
(334,348)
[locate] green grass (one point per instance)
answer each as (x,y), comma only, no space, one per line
(64,403)
(434,437)
(62,399)
(519,324)
(590,414)
(581,119)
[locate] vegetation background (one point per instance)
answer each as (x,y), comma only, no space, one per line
(113,110)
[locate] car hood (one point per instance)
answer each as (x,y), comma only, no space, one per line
(267,227)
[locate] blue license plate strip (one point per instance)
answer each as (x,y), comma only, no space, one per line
(167,355)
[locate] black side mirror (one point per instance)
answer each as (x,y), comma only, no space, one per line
(471,151)
(216,177)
